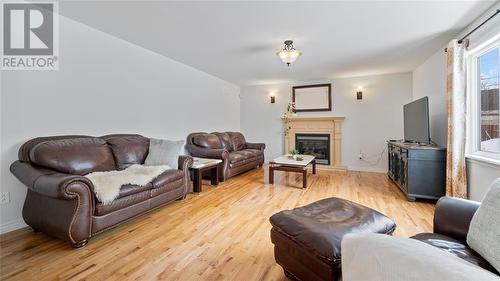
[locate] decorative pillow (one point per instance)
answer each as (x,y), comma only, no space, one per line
(484,230)
(164,152)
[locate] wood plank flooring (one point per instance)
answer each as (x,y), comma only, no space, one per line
(219,234)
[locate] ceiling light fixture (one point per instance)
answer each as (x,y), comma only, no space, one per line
(288,54)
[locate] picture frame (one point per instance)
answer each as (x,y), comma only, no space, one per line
(317,97)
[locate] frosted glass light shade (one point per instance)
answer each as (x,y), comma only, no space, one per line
(288,56)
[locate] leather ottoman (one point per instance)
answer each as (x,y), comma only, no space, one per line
(307,239)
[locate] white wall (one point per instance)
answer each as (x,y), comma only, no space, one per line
(480,175)
(106,85)
(368,124)
(429,79)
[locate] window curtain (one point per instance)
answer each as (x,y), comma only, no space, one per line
(456,177)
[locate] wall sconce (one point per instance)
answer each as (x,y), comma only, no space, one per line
(273,99)
(359,93)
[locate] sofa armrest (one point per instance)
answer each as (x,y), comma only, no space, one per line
(452,217)
(185,162)
(60,205)
(51,183)
(259,146)
(197,151)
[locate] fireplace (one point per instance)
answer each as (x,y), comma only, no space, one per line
(325,126)
(317,145)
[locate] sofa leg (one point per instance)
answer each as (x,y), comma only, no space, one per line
(36,231)
(182,198)
(81,244)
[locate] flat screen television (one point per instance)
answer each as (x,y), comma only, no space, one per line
(416,121)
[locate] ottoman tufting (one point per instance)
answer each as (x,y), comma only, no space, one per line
(307,239)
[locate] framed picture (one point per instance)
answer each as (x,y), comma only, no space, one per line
(312,97)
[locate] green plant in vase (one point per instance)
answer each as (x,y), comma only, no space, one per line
(294,153)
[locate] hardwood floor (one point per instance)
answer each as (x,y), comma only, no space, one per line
(220,234)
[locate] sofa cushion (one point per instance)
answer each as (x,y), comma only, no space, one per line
(235,157)
(207,141)
(120,203)
(243,155)
(164,152)
(250,153)
(129,189)
(225,141)
(128,150)
(238,140)
(167,187)
(77,156)
(167,177)
(454,247)
(484,230)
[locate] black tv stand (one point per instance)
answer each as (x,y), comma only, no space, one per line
(419,170)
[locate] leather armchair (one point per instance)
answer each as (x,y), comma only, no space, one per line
(63,205)
(452,219)
(237,155)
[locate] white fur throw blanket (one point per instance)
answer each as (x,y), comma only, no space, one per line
(107,184)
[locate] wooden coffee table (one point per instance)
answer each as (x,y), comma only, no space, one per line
(287,164)
(204,164)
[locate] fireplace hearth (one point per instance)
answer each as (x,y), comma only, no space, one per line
(317,145)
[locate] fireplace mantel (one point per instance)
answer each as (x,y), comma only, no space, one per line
(326,118)
(331,125)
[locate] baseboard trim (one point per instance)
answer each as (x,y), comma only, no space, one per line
(367,169)
(12,225)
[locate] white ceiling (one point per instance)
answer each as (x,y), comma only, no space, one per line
(237,41)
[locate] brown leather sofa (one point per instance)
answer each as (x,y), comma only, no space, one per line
(236,153)
(452,218)
(60,201)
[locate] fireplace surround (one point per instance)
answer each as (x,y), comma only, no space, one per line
(331,126)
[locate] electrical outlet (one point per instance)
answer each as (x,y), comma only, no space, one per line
(4,198)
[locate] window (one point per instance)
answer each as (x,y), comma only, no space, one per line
(489,64)
(483,98)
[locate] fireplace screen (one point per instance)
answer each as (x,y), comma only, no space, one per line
(317,145)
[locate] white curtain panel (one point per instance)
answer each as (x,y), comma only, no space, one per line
(456,178)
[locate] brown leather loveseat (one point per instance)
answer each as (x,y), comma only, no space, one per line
(60,201)
(236,153)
